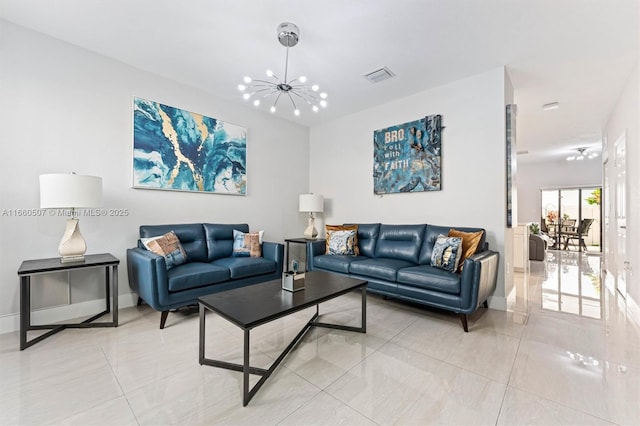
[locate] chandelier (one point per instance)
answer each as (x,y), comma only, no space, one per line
(296,90)
(582,154)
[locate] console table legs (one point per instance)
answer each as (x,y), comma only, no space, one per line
(111,306)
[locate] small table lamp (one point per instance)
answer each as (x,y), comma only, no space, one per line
(70,191)
(311,203)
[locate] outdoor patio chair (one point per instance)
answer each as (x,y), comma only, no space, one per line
(579,234)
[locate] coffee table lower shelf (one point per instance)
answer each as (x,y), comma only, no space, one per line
(246,369)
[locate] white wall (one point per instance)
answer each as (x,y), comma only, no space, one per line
(624,119)
(534,176)
(473,162)
(63,108)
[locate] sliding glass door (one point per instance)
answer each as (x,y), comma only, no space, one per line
(572,217)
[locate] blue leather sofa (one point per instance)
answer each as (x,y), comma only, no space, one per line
(396,262)
(210,266)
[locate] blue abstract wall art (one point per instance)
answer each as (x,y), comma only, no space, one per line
(406,157)
(178,150)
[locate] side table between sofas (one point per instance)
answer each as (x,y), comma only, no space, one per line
(28,268)
(304,241)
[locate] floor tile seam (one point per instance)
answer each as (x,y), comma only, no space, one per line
(124,394)
(401,330)
(515,357)
(595,416)
(319,391)
(373,351)
(504,397)
(444,361)
(140,385)
(91,407)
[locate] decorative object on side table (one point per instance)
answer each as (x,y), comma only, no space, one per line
(293,280)
(70,191)
(311,203)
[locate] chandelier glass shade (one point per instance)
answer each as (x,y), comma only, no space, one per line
(271,89)
(581,155)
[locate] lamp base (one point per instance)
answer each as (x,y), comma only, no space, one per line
(70,259)
(72,246)
(311,233)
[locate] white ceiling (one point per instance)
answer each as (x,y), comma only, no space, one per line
(579,53)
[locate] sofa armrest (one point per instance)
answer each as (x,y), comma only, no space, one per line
(314,248)
(478,279)
(275,252)
(147,273)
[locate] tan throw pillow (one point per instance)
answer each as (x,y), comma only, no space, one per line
(470,241)
(330,229)
(167,245)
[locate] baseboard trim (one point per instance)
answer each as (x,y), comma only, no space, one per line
(11,322)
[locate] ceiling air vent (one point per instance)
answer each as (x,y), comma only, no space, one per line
(379,75)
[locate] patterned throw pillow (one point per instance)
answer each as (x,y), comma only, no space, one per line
(470,242)
(247,244)
(167,245)
(342,242)
(330,229)
(446,253)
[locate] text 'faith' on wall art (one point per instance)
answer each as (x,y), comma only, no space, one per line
(406,157)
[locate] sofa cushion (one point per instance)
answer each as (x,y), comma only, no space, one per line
(247,244)
(367,237)
(331,229)
(195,274)
(446,253)
(191,236)
(336,263)
(401,242)
(219,238)
(431,278)
(243,267)
(168,246)
(380,267)
(431,235)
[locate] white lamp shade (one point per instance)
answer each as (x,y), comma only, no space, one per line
(61,191)
(311,203)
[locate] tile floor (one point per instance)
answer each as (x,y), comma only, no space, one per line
(576,361)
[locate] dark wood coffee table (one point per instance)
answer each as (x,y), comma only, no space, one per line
(249,307)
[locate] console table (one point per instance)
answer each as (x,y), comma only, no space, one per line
(28,268)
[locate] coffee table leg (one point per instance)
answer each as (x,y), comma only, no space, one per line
(364,309)
(201,340)
(245,370)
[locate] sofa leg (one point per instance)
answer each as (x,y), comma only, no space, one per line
(139,301)
(463,318)
(163,319)
(485,304)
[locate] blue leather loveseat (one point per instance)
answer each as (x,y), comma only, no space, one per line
(396,262)
(210,265)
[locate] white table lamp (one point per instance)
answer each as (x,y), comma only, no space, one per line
(311,203)
(70,191)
